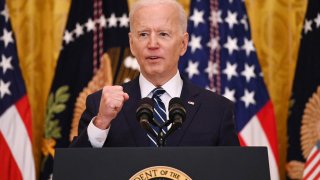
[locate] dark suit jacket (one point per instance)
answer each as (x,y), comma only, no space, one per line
(209,120)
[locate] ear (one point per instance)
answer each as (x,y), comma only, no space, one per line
(184,44)
(131,43)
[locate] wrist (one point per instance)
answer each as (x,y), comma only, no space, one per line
(101,123)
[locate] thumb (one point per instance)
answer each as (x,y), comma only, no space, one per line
(126,96)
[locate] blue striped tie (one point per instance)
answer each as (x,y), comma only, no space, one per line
(159,113)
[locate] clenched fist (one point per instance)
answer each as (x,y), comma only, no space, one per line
(111,103)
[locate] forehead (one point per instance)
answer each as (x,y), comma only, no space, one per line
(156,16)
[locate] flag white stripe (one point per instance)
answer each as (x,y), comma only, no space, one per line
(14,131)
(254,135)
(312,165)
(314,149)
(314,173)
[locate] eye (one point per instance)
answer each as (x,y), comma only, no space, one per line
(164,34)
(143,34)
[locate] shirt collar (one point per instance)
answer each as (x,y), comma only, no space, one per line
(173,87)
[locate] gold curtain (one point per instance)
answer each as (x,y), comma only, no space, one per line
(38,27)
(276,27)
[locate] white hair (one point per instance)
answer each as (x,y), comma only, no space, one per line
(143,3)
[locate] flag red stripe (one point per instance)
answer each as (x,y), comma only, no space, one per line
(317,176)
(267,119)
(309,160)
(8,166)
(24,110)
(242,142)
(312,170)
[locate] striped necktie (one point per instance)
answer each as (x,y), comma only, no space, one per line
(159,113)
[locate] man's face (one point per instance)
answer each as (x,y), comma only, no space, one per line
(157,41)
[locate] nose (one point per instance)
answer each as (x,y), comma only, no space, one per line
(153,41)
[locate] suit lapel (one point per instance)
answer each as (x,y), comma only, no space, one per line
(138,133)
(188,97)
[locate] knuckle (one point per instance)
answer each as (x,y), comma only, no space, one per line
(120,88)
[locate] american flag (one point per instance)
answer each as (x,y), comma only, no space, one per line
(221,57)
(312,166)
(16,158)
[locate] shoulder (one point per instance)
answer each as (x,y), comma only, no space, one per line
(209,98)
(133,84)
(215,98)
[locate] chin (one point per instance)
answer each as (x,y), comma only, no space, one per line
(153,73)
(155,70)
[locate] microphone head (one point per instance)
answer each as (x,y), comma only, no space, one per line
(144,115)
(146,102)
(145,109)
(174,101)
(176,110)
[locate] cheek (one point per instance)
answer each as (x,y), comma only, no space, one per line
(137,51)
(175,51)
(136,47)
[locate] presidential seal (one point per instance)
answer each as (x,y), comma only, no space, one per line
(160,173)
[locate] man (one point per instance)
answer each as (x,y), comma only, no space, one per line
(158,38)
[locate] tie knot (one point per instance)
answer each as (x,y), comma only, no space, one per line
(157,92)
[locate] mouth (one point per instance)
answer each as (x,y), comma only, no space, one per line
(153,57)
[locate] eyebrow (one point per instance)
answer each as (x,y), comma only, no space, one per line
(148,30)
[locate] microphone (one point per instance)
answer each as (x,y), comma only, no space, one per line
(144,115)
(177,113)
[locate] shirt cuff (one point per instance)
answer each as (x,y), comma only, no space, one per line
(96,136)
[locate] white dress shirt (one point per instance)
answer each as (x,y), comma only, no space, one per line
(173,88)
